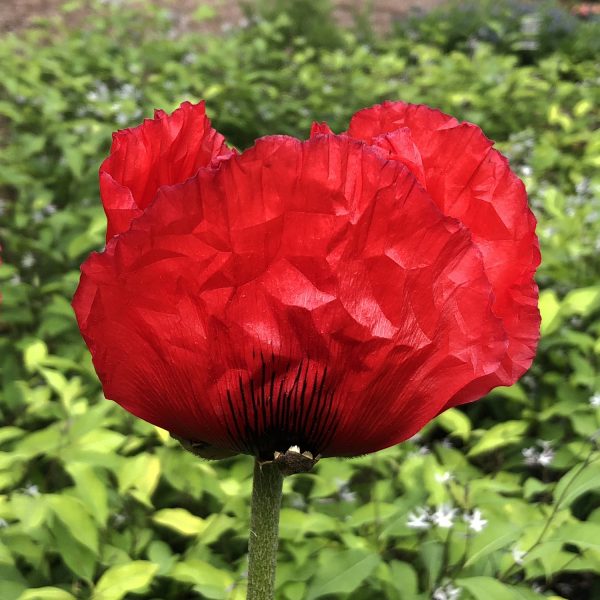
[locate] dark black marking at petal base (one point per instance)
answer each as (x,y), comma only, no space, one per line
(281,408)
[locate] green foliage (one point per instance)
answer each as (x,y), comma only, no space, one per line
(530,29)
(95,504)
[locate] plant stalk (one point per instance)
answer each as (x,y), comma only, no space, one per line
(264,531)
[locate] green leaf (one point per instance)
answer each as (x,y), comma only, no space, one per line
(120,580)
(404,579)
(577,482)
(549,306)
(12,583)
(34,355)
(503,434)
(582,301)
(91,489)
(80,559)
(487,588)
(46,593)
(455,422)
(71,511)
(585,535)
(369,512)
(494,537)
(180,520)
(342,572)
(140,474)
(211,582)
(294,524)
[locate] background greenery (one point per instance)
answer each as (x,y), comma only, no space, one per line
(96,504)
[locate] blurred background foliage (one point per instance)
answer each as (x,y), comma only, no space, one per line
(495,501)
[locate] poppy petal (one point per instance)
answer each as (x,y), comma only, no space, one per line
(472,182)
(162,151)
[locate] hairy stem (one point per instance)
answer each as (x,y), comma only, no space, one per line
(264,531)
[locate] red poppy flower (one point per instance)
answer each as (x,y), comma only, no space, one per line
(333,294)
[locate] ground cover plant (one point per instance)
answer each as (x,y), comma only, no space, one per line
(497,500)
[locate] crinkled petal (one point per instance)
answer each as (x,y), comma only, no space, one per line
(472,182)
(162,151)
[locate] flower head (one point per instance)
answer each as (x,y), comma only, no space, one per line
(446,592)
(444,477)
(28,260)
(542,456)
(444,516)
(419,519)
(304,298)
(475,520)
(518,555)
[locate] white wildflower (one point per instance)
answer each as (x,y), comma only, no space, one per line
(545,457)
(3,523)
(31,490)
(526,171)
(119,519)
(542,457)
(531,456)
(444,516)
(344,492)
(595,400)
(298,502)
(529,45)
(475,520)
(50,209)
(347,495)
(447,592)
(189,58)
(127,90)
(530,24)
(121,119)
(28,260)
(420,451)
(444,477)
(583,186)
(15,279)
(518,555)
(419,519)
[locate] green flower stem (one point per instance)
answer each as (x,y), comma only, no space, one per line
(264,531)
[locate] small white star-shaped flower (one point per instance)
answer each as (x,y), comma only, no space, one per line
(475,520)
(447,592)
(444,477)
(444,516)
(419,519)
(530,455)
(518,555)
(546,457)
(28,260)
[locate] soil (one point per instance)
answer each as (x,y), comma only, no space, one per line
(18,14)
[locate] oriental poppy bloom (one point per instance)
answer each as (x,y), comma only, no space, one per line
(327,297)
